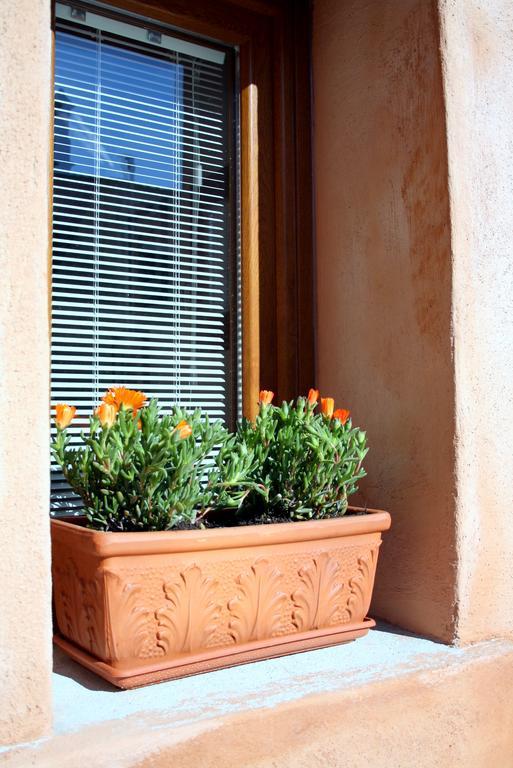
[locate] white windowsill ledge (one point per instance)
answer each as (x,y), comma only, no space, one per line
(99,725)
(82,699)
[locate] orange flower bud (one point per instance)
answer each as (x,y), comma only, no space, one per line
(107,413)
(184,430)
(313,396)
(341,414)
(327,406)
(265,397)
(64,415)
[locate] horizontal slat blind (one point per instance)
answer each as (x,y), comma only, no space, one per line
(144,276)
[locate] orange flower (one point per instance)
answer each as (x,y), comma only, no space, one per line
(313,396)
(64,415)
(107,414)
(121,397)
(184,430)
(341,414)
(265,397)
(327,406)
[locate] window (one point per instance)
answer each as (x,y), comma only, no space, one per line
(145,276)
(147,204)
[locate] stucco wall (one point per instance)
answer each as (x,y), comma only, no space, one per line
(477,47)
(384,284)
(25,620)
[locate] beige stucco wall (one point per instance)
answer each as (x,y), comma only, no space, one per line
(413,158)
(384,284)
(25,620)
(477,50)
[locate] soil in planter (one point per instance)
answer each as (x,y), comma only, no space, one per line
(230,519)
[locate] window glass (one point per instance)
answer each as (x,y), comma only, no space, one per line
(144,279)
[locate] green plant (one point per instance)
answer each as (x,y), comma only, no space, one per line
(138,469)
(141,470)
(309,462)
(233,478)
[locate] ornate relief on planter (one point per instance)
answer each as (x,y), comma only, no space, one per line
(317,602)
(193,614)
(129,619)
(143,607)
(361,586)
(78,605)
(256,610)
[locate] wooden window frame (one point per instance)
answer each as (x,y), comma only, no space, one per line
(278,310)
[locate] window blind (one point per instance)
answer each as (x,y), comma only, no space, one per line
(144,278)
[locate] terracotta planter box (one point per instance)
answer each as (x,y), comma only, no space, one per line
(137,608)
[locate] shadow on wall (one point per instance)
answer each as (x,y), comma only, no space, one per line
(384,285)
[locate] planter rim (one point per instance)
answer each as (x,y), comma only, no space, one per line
(113,543)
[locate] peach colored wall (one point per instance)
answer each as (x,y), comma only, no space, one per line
(477,46)
(460,718)
(25,619)
(384,284)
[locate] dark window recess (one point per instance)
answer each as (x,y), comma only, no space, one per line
(144,280)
